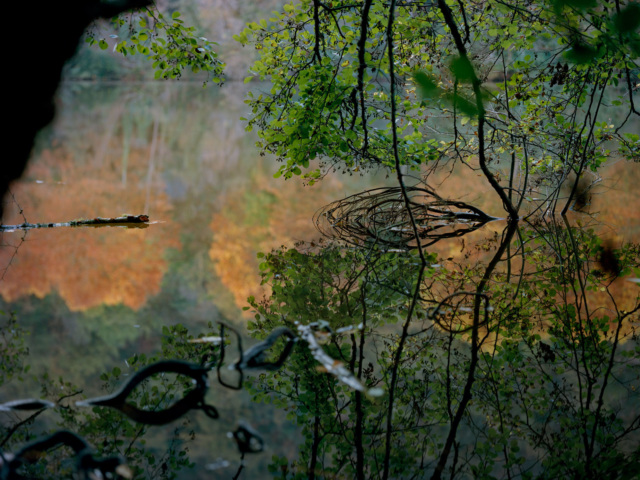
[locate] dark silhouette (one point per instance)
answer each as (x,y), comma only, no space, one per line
(54,32)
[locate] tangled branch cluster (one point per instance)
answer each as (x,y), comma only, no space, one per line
(379,217)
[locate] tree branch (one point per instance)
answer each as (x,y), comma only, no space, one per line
(475,81)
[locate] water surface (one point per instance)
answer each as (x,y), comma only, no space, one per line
(92,297)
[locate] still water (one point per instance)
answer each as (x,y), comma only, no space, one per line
(93,297)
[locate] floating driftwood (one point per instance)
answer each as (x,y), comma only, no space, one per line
(126,220)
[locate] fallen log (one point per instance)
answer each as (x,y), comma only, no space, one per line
(126,220)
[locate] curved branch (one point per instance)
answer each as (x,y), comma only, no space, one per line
(475,81)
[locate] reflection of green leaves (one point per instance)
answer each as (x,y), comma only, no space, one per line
(427,86)
(628,19)
(581,53)
(579,5)
(12,348)
(462,69)
(429,89)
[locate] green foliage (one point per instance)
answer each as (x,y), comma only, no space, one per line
(628,20)
(537,68)
(552,367)
(545,375)
(12,349)
(168,42)
(531,387)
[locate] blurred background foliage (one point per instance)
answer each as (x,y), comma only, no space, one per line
(218,20)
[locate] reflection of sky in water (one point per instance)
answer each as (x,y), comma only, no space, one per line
(92,297)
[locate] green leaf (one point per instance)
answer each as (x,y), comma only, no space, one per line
(628,19)
(462,69)
(427,86)
(581,53)
(579,5)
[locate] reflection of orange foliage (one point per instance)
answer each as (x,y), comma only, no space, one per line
(284,217)
(288,218)
(88,266)
(617,201)
(235,259)
(626,295)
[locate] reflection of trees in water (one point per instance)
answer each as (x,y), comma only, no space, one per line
(119,155)
(539,362)
(88,267)
(539,372)
(543,374)
(155,390)
(194,162)
(258,218)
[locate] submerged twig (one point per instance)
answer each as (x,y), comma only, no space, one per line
(254,357)
(15,251)
(25,405)
(193,400)
(85,456)
(221,360)
(247,438)
(18,205)
(214,340)
(329,364)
